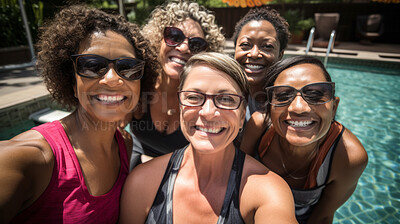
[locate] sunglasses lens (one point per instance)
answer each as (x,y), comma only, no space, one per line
(91,66)
(318,93)
(197,44)
(280,95)
(173,36)
(130,69)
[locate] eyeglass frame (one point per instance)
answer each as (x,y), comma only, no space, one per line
(140,66)
(301,94)
(212,96)
(188,38)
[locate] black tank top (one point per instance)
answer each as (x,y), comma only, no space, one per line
(161,210)
(153,142)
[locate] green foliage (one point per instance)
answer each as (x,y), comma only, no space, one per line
(13,32)
(296,21)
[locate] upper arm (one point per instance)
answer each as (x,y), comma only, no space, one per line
(252,133)
(268,196)
(349,162)
(26,165)
(140,190)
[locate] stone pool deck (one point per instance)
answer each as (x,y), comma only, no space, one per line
(22,91)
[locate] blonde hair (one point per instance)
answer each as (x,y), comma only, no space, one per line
(178,11)
(220,62)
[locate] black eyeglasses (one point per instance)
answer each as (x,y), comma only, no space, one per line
(222,101)
(314,93)
(174,36)
(96,66)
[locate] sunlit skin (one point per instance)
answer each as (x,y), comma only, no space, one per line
(299,110)
(257,48)
(89,91)
(294,147)
(197,119)
(173,59)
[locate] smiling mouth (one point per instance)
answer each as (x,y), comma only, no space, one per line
(254,67)
(178,60)
(209,130)
(299,124)
(110,99)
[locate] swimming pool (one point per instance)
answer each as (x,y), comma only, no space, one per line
(370,107)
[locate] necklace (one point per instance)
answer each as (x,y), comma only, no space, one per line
(290,174)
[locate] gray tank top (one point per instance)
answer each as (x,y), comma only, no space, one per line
(161,210)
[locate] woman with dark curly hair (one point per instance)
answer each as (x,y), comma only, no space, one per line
(176,31)
(72,170)
(260,39)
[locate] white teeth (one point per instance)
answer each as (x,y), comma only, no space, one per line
(299,123)
(254,67)
(110,99)
(178,60)
(210,130)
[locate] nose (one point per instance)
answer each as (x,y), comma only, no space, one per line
(184,46)
(254,52)
(208,109)
(111,78)
(299,105)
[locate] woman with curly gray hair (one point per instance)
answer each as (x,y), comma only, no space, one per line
(72,170)
(176,31)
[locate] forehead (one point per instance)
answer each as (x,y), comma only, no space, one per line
(300,75)
(210,80)
(109,44)
(190,28)
(260,27)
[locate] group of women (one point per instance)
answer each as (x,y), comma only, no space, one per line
(196,110)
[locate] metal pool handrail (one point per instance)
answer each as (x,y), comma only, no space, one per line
(310,40)
(330,46)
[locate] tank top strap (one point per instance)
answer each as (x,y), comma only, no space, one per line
(231,200)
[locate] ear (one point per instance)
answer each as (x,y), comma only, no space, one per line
(335,106)
(281,54)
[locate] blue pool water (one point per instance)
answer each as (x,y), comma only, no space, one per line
(370,107)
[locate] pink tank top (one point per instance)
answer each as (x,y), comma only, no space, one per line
(66,198)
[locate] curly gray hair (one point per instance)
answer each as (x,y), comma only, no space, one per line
(177,11)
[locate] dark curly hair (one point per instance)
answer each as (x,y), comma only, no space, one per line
(61,38)
(271,15)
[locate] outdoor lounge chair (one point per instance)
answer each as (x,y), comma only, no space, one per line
(325,23)
(369,27)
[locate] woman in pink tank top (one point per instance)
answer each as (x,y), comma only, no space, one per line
(72,170)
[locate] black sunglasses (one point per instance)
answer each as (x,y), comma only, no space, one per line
(314,93)
(174,36)
(96,66)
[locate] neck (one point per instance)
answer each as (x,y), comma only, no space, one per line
(212,167)
(86,133)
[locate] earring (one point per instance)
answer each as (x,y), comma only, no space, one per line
(240,130)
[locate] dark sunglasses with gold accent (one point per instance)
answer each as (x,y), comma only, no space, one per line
(96,66)
(314,93)
(174,36)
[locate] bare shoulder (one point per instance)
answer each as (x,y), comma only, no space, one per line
(26,165)
(27,147)
(350,149)
(140,189)
(266,197)
(252,133)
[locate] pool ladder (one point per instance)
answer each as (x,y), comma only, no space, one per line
(330,44)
